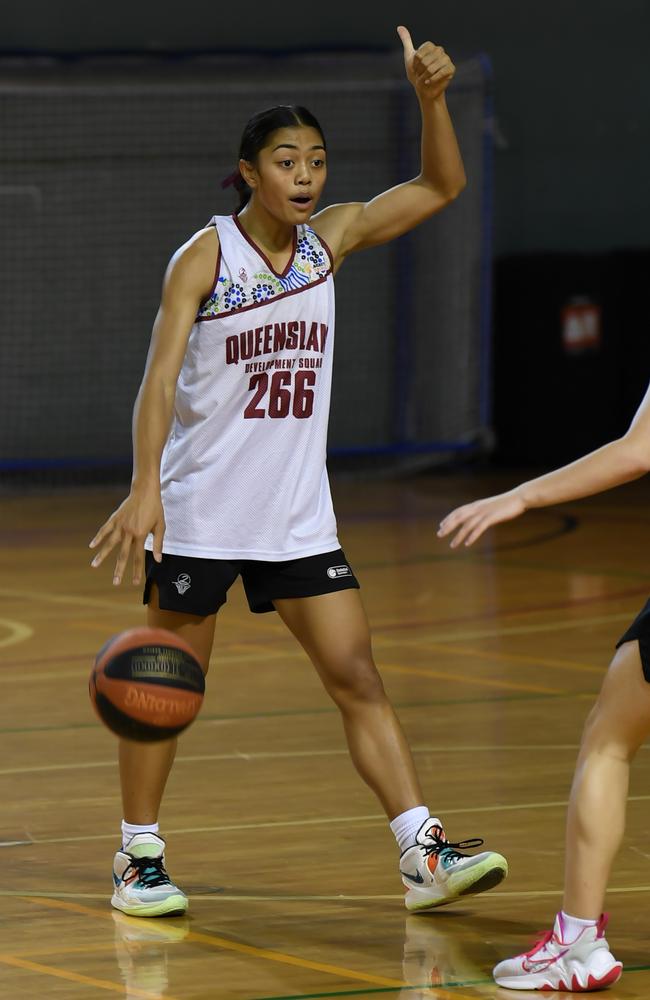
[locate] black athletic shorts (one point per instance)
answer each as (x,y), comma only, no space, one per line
(199,586)
(640,630)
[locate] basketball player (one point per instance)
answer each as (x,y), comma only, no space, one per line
(575,956)
(229,476)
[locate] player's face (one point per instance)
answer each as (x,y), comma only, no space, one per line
(290,173)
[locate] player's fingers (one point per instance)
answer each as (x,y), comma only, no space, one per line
(109,544)
(138,560)
(122,558)
(158,535)
(407,42)
(101,534)
(482,526)
(455,519)
(466,528)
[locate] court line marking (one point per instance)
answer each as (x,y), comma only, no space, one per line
(372,818)
(537,661)
(472,680)
(556,626)
(301,713)
(426,989)
(84,602)
(225,944)
(75,977)
(18,632)
(336,898)
(255,755)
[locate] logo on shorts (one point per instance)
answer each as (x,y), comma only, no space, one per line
(183,583)
(334,572)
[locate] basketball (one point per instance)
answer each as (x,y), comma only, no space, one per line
(146,684)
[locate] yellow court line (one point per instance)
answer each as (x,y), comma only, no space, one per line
(486,654)
(474,681)
(556,626)
(75,977)
(18,632)
(243,949)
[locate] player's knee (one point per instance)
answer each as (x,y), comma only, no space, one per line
(604,733)
(357,680)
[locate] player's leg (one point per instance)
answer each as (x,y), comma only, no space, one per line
(575,954)
(145,767)
(376,740)
(617,726)
(142,886)
(333,630)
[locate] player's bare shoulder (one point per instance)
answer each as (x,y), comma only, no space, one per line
(193,264)
(332,224)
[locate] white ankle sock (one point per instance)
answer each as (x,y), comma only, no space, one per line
(406,825)
(572,927)
(130,829)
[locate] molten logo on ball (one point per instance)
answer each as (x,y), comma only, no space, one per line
(158,705)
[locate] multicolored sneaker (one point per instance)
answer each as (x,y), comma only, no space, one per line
(435,872)
(584,965)
(142,887)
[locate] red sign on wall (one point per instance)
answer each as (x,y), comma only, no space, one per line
(581,326)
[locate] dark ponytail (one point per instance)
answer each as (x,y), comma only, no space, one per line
(256,132)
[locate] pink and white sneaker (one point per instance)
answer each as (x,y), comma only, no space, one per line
(584,965)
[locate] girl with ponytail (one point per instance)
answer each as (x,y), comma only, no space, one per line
(229,479)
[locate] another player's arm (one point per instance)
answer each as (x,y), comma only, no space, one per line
(188,281)
(355,226)
(615,463)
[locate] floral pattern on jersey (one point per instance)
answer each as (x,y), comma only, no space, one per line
(263,290)
(308,250)
(311,263)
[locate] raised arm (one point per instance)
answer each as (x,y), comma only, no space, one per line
(187,282)
(357,225)
(612,465)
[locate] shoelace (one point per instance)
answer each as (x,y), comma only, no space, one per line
(151,871)
(439,844)
(541,942)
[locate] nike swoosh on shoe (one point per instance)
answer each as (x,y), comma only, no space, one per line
(412,878)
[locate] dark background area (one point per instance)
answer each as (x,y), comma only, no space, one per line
(571,83)
(571,79)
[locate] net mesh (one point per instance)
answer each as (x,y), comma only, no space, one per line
(108,167)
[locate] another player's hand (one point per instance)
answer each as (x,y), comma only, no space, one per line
(128,527)
(469,522)
(428,67)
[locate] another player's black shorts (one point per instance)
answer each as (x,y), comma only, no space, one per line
(640,630)
(199,586)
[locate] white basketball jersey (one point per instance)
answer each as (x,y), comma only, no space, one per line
(243,471)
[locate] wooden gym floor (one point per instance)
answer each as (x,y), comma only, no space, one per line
(492,657)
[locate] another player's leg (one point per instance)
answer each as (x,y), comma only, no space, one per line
(575,954)
(333,630)
(142,886)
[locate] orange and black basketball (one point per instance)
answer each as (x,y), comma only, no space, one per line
(146,684)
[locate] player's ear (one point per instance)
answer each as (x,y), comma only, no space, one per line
(248,172)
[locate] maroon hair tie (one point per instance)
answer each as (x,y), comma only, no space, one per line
(231,179)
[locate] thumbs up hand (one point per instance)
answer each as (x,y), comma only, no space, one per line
(428,67)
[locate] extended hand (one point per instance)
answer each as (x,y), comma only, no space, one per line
(428,67)
(128,527)
(469,522)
